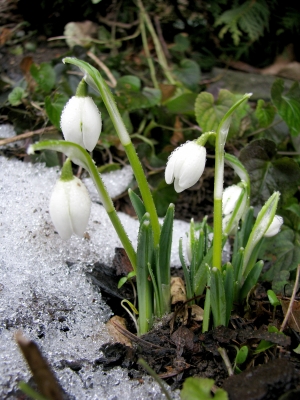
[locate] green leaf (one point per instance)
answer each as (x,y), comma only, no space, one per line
(200,388)
(273,298)
(268,174)
(218,297)
(129,83)
(54,108)
(297,349)
(242,355)
(181,43)
(182,104)
(137,203)
(44,75)
(165,244)
(16,95)
(133,100)
(49,157)
(25,388)
(284,252)
(209,112)
(251,279)
(265,113)
(288,104)
(188,73)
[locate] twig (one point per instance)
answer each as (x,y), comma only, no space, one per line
(150,371)
(226,360)
(289,310)
(113,82)
(161,38)
(117,23)
(133,337)
(26,135)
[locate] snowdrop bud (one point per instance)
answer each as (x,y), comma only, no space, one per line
(275,226)
(70,206)
(230,197)
(185,165)
(81,122)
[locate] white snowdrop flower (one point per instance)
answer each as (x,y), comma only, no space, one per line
(70,207)
(275,226)
(81,122)
(230,197)
(185,165)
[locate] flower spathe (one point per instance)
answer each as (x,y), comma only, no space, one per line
(81,122)
(70,207)
(185,165)
(230,197)
(275,226)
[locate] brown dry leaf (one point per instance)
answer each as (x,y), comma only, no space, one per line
(41,371)
(167,91)
(177,136)
(280,62)
(178,293)
(196,312)
(115,333)
(80,33)
(291,71)
(294,318)
(5,35)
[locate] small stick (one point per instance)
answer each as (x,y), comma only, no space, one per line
(226,360)
(113,82)
(289,310)
(26,135)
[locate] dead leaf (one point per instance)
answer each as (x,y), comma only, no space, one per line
(294,318)
(115,333)
(41,371)
(178,293)
(196,312)
(5,35)
(167,91)
(80,33)
(177,136)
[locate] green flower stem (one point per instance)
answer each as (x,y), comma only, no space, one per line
(94,78)
(144,189)
(82,158)
(160,54)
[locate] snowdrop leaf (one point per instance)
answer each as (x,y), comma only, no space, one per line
(288,104)
(268,174)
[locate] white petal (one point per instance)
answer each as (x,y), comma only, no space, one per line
(193,167)
(79,206)
(71,120)
(275,226)
(91,123)
(59,210)
(169,171)
(230,197)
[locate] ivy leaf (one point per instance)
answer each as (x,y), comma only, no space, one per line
(265,113)
(284,249)
(209,112)
(129,83)
(288,104)
(182,104)
(16,95)
(133,100)
(188,73)
(268,175)
(200,388)
(44,75)
(54,108)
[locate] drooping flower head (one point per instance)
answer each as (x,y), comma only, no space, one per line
(81,120)
(70,205)
(185,165)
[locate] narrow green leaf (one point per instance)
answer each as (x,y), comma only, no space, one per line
(273,298)
(229,290)
(137,204)
(165,244)
(251,279)
(218,297)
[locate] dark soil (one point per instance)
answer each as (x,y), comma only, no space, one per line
(176,350)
